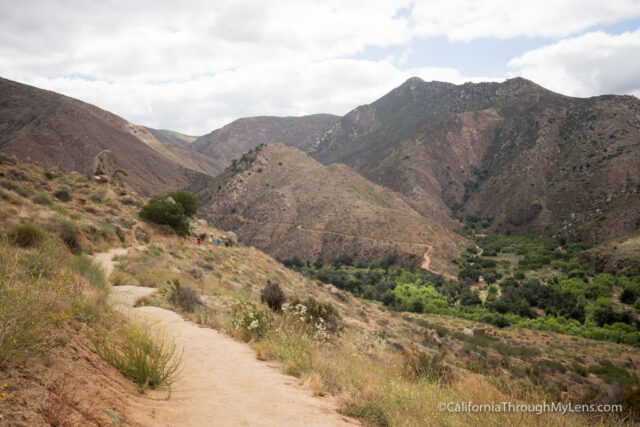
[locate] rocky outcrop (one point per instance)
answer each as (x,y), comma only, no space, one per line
(105,169)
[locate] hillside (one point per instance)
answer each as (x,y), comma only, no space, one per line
(49,129)
(368,360)
(234,139)
(172,137)
(282,201)
(533,160)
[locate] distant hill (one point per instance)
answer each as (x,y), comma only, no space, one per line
(234,139)
(50,129)
(534,160)
(171,137)
(280,200)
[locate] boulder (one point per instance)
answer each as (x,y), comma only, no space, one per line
(198,232)
(467,332)
(104,163)
(201,222)
(101,179)
(171,199)
(141,236)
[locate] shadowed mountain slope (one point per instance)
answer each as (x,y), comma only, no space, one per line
(232,140)
(50,129)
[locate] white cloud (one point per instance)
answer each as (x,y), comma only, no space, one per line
(195,66)
(591,64)
(204,103)
(464,20)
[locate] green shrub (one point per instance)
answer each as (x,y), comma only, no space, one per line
(431,367)
(273,296)
(26,235)
(41,198)
(184,297)
(63,194)
(70,235)
(162,211)
(186,200)
(86,268)
(247,320)
(369,412)
(148,359)
(15,186)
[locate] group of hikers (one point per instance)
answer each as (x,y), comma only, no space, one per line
(219,241)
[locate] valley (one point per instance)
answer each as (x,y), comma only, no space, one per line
(472,242)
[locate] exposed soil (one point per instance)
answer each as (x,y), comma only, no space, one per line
(221,382)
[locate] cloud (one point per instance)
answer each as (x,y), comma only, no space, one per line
(204,103)
(199,65)
(587,65)
(463,20)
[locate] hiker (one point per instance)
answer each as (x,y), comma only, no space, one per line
(198,240)
(210,239)
(226,243)
(218,241)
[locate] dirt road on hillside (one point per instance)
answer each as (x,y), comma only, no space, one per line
(221,382)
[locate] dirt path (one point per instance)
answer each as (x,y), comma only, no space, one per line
(221,383)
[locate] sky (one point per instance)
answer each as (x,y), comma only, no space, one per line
(194,66)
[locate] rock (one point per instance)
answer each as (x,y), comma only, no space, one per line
(201,222)
(333,289)
(198,232)
(433,337)
(231,236)
(104,163)
(171,199)
(467,332)
(175,270)
(101,179)
(196,273)
(141,236)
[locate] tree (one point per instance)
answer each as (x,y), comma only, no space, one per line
(162,211)
(186,200)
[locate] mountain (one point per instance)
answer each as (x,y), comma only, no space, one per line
(172,137)
(234,139)
(50,129)
(280,200)
(533,160)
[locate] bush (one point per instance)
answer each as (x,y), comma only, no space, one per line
(70,235)
(186,200)
(162,211)
(149,360)
(431,367)
(369,412)
(273,296)
(184,297)
(247,320)
(63,194)
(26,235)
(41,198)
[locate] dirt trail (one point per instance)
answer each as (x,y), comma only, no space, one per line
(221,382)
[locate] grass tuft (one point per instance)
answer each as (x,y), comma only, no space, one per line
(149,359)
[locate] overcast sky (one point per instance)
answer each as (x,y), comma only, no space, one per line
(193,66)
